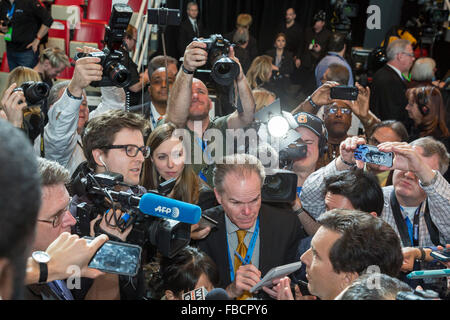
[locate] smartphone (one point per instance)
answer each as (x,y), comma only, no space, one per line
(442,273)
(117,257)
(344,93)
(207,221)
(164,16)
(371,154)
(441,255)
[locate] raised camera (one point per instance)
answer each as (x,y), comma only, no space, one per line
(223,69)
(114,72)
(34,92)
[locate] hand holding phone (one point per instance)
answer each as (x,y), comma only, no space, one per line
(441,255)
(371,154)
(117,257)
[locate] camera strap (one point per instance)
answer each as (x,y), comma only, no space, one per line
(234,97)
(402,226)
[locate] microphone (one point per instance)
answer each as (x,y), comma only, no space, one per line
(217,294)
(166,208)
(196,294)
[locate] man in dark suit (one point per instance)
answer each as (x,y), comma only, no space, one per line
(250,238)
(387,99)
(189,28)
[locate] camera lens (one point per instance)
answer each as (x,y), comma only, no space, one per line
(119,75)
(35,92)
(224,70)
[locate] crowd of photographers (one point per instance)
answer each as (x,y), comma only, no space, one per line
(209,213)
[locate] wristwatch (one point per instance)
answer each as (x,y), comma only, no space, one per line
(42,258)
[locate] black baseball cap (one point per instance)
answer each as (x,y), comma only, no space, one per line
(310,121)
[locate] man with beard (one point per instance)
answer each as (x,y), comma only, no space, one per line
(338,119)
(189,105)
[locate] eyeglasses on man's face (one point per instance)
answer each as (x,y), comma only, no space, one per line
(334,110)
(58,217)
(131,149)
(409,54)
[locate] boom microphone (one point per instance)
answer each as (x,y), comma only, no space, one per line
(167,208)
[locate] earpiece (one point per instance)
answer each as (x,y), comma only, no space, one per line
(104,164)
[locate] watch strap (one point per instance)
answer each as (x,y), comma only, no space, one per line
(43,272)
(186,70)
(72,96)
(311,102)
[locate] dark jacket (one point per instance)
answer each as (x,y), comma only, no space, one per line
(280,234)
(287,62)
(294,36)
(186,34)
(387,97)
(26,20)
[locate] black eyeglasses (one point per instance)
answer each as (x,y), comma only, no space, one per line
(131,149)
(57,219)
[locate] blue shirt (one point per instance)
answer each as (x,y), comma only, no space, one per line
(330,58)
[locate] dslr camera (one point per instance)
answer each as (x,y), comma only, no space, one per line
(35,92)
(114,72)
(223,69)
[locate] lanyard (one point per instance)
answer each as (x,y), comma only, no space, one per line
(414,236)
(11,11)
(249,254)
(401,225)
(299,191)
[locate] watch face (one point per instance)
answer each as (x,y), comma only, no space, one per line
(41,256)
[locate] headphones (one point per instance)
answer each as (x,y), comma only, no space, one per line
(422,101)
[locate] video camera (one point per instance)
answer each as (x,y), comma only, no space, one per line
(35,92)
(114,72)
(429,22)
(223,69)
(169,236)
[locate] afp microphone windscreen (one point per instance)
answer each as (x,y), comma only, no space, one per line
(167,208)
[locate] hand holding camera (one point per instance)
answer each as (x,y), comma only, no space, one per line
(13,102)
(87,69)
(195,55)
(347,150)
(224,66)
(322,94)
(360,106)
(407,159)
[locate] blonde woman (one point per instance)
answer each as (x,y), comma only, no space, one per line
(260,72)
(14,106)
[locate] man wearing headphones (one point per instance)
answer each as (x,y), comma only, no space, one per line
(314,135)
